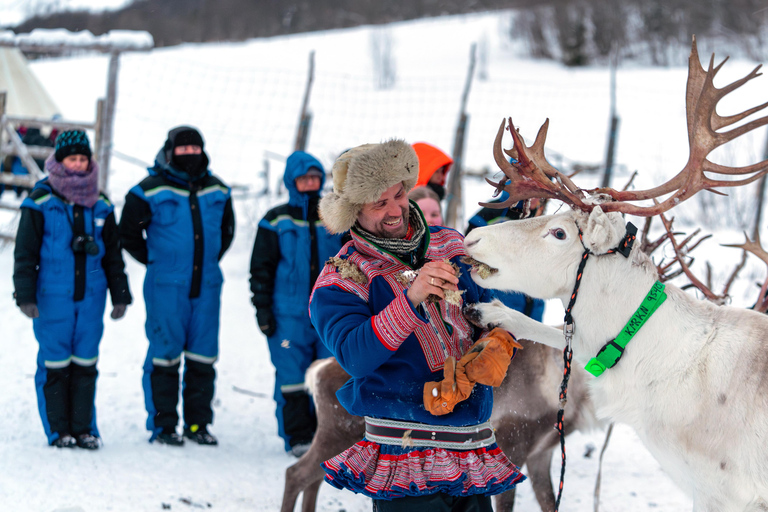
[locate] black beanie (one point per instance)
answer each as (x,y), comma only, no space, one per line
(72,142)
(182,136)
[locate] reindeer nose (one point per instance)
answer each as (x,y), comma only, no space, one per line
(471,243)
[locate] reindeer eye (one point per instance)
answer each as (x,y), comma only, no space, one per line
(558,233)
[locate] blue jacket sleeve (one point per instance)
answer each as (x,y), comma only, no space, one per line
(360,340)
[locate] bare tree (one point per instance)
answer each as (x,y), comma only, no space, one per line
(383,58)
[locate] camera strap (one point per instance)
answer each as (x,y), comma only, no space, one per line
(72,222)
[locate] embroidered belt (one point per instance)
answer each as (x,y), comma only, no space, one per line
(404,434)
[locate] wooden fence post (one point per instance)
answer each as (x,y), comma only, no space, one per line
(613,130)
(98,128)
(305,118)
(108,122)
(454,215)
(3,96)
(760,199)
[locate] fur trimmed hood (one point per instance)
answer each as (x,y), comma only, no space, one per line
(361,175)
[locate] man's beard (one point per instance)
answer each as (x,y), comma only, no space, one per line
(384,232)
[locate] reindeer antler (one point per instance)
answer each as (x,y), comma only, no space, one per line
(753,246)
(530,177)
(756,248)
(681,253)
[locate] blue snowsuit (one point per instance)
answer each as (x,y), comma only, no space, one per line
(189,224)
(290,250)
(70,292)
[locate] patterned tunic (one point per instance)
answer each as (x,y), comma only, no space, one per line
(391,349)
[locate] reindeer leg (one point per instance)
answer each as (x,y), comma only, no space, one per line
(539,464)
(496,314)
(309,500)
(306,475)
(505,502)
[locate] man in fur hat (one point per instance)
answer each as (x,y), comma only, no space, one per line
(389,307)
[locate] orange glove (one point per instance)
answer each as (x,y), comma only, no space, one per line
(441,397)
(487,360)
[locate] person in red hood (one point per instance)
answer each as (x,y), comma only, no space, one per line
(433,167)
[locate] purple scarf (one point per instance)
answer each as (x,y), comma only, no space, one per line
(78,188)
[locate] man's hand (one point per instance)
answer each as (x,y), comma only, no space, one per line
(30,310)
(266,320)
(434,278)
(118,311)
(486,361)
(441,397)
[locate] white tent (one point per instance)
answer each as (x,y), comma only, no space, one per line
(26,95)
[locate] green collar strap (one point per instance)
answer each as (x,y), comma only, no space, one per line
(612,351)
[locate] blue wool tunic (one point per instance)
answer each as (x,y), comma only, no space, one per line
(391,349)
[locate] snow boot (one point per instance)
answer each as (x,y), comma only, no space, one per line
(64,441)
(170,437)
(200,435)
(88,441)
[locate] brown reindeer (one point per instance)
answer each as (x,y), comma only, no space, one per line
(524,413)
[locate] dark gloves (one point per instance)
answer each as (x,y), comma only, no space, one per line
(118,311)
(30,310)
(266,320)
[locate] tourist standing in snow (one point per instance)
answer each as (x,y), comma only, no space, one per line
(67,254)
(291,247)
(390,309)
(179,222)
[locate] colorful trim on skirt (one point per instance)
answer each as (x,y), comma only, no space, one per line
(383,471)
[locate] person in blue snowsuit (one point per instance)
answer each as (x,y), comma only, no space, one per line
(187,217)
(291,248)
(486,216)
(67,255)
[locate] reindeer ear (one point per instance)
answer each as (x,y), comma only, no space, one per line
(604,230)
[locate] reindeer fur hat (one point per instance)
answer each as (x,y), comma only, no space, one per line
(361,175)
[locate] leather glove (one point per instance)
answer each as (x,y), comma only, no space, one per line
(30,310)
(487,360)
(118,311)
(441,397)
(266,320)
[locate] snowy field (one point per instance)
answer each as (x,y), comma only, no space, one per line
(245,98)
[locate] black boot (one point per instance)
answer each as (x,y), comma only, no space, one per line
(199,379)
(82,394)
(299,423)
(200,435)
(88,442)
(170,437)
(57,404)
(64,441)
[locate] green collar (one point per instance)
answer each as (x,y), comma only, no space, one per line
(612,351)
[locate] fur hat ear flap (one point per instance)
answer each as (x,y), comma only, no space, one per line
(604,231)
(361,175)
(337,214)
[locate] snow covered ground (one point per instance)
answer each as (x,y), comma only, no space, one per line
(245,97)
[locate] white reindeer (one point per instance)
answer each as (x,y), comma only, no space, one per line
(693,381)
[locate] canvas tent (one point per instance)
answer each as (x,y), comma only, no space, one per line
(25,94)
